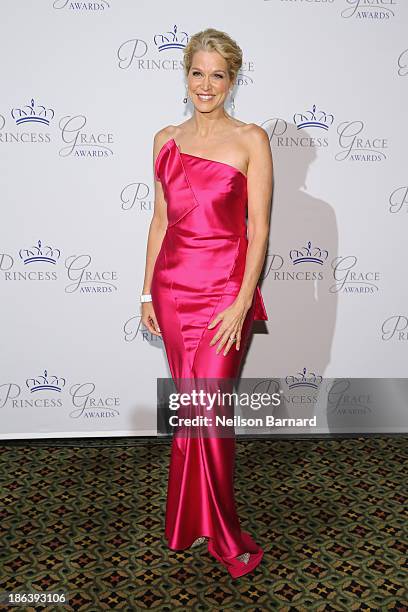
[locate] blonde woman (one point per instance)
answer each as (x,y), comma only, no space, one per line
(200,290)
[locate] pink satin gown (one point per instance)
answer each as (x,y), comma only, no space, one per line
(198,273)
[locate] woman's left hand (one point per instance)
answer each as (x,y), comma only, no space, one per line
(232,321)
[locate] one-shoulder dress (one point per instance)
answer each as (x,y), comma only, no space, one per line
(198,273)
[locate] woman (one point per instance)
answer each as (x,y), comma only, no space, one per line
(200,290)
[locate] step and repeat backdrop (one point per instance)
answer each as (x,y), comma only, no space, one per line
(84,87)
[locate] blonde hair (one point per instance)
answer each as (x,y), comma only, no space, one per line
(214,40)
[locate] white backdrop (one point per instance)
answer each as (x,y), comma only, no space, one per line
(84,87)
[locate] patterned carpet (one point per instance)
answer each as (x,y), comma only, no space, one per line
(87,518)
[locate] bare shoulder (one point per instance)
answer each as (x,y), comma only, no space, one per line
(255,136)
(163,136)
(168,132)
(257,145)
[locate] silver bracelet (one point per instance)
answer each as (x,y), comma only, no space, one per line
(146,297)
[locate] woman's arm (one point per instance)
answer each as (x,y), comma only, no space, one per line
(259,183)
(158,223)
(157,230)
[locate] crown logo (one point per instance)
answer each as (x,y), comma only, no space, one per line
(48,383)
(40,253)
(171,40)
(307,254)
(301,380)
(311,118)
(30,113)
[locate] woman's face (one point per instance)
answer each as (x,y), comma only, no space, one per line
(208,80)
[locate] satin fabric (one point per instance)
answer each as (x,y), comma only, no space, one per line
(198,273)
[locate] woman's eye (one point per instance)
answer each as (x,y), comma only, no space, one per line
(197,73)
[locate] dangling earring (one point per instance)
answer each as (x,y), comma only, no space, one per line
(232,102)
(185,99)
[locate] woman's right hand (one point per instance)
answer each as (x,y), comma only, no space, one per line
(149,318)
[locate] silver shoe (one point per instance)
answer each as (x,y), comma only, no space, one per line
(244,557)
(198,541)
